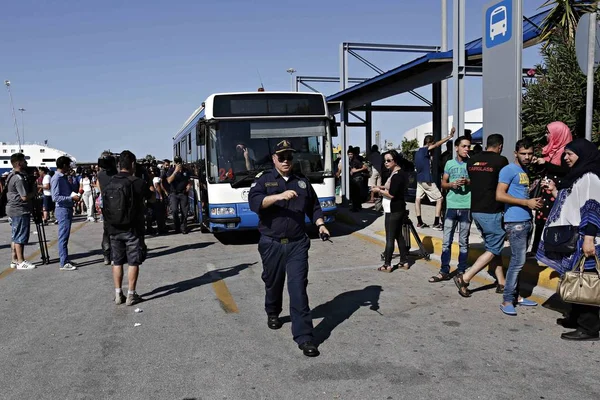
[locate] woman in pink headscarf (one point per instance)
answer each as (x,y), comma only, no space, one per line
(554,167)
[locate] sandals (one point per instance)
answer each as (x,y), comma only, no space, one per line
(439,278)
(385,268)
(461,285)
(403,265)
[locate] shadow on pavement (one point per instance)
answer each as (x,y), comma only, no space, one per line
(341,308)
(555,303)
(96,252)
(178,249)
(354,221)
(184,286)
(482,288)
(4,246)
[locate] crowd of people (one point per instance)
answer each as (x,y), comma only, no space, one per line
(60,194)
(505,207)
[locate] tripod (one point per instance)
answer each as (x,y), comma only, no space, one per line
(408,230)
(36,212)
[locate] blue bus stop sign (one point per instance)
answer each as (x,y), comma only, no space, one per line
(502,71)
(498,23)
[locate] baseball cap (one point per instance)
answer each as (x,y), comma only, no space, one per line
(282,146)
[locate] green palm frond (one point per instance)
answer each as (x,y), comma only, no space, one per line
(564,16)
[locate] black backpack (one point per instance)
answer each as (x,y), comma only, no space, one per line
(4,196)
(117,201)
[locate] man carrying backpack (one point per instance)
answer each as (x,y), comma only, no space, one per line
(16,197)
(123,207)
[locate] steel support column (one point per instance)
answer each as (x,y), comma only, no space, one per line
(343,67)
(345,190)
(458,66)
(444,93)
(438,133)
(368,130)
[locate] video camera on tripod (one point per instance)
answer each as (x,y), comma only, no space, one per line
(37,214)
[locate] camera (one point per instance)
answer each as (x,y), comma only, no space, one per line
(108,163)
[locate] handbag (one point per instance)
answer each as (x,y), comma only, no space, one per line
(579,286)
(561,239)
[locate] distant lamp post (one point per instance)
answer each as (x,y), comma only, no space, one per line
(22,124)
(291,71)
(12,107)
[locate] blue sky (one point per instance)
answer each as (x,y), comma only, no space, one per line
(126,74)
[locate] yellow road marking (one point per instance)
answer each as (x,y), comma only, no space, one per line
(222,291)
(224,296)
(37,253)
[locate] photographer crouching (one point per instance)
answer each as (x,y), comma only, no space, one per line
(108,168)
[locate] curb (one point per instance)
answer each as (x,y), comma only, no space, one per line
(532,274)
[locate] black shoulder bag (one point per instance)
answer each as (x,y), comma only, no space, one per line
(560,241)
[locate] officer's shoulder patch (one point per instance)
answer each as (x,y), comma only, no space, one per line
(253,184)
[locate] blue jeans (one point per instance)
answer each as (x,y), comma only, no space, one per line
(65,219)
(518,234)
(20,229)
(461,218)
(490,226)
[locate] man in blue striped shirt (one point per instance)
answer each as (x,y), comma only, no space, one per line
(65,198)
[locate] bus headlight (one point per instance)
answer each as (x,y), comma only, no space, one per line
(222,211)
(327,203)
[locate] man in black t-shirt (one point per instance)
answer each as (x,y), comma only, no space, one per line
(484,170)
(127,241)
(178,178)
(108,170)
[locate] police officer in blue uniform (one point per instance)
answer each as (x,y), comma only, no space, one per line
(282,201)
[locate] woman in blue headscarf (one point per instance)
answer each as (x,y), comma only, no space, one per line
(578,204)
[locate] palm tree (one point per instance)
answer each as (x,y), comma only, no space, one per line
(564,16)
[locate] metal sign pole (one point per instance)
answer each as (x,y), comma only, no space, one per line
(458,67)
(444,48)
(589,102)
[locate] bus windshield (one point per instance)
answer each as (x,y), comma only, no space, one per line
(238,150)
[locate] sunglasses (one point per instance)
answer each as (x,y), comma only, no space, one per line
(285,157)
(387,160)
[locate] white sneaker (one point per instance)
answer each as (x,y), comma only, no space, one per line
(91,219)
(68,267)
(26,265)
(13,264)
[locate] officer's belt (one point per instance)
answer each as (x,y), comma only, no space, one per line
(286,240)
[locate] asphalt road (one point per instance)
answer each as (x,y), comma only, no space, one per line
(203,332)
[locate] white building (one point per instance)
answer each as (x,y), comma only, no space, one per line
(473,121)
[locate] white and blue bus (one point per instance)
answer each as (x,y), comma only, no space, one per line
(230,139)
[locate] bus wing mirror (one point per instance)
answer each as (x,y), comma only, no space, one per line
(201,134)
(333,127)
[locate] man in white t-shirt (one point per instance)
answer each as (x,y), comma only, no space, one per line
(48,204)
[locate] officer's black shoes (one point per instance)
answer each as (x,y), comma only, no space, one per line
(274,322)
(309,349)
(579,335)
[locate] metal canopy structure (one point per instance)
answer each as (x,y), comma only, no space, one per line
(430,69)
(429,64)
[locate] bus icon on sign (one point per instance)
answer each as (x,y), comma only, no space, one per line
(498,22)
